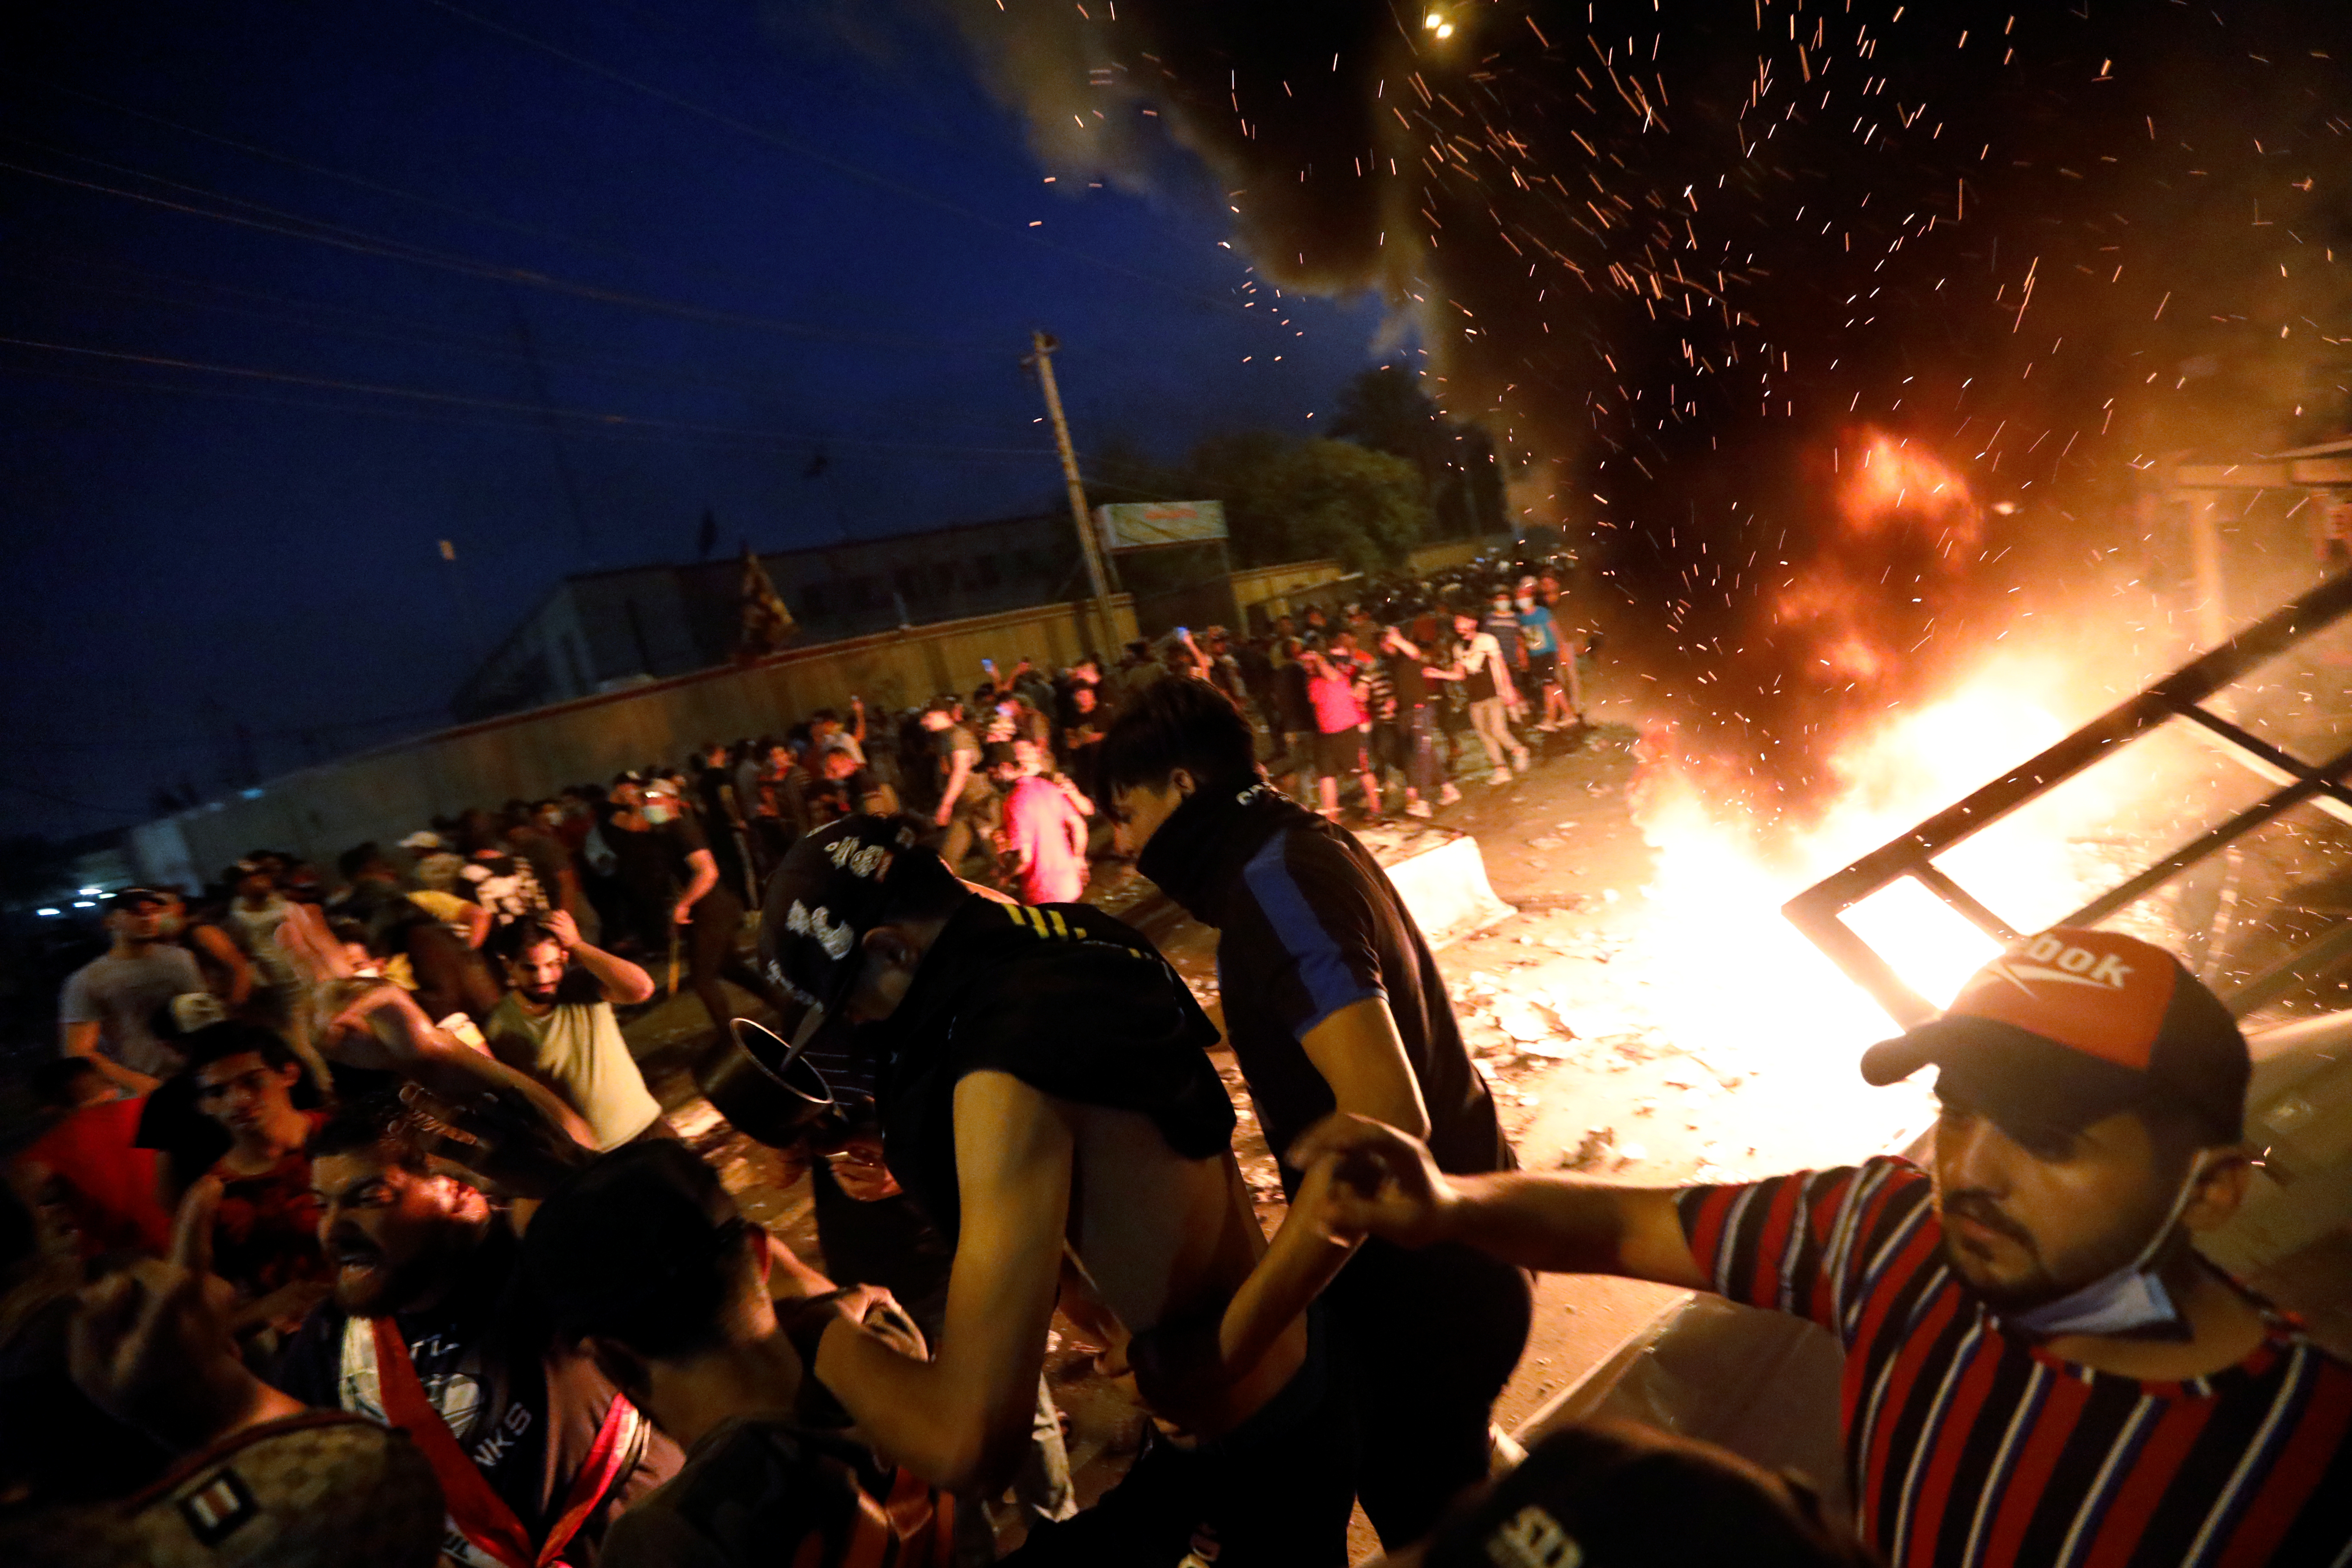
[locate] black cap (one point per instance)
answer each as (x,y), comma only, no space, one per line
(831,889)
(130,897)
(1606,1495)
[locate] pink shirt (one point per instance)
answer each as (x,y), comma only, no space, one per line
(1336,708)
(1036,819)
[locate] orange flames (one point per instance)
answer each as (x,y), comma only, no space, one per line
(1896,507)
(1730,978)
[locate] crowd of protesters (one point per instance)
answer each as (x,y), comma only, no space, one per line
(353,1232)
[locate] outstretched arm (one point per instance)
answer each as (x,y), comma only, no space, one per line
(962,1420)
(1359,1053)
(384,1028)
(230,957)
(1388,1185)
(959,770)
(702,875)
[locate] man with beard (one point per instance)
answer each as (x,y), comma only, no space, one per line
(2039,1366)
(556,1025)
(434,1328)
(1047,1100)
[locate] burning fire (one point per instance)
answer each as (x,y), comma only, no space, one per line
(1729,978)
(1732,981)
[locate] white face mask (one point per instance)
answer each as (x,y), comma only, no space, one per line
(2130,1300)
(658,812)
(1527,602)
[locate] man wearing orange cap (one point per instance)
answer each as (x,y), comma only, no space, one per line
(2039,1366)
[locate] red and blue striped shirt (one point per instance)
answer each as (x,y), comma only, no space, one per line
(1967,1444)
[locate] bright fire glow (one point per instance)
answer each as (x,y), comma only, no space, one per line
(1727,976)
(1713,891)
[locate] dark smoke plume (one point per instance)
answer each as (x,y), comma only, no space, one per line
(1683,260)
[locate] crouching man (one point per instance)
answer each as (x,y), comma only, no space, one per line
(1046,1098)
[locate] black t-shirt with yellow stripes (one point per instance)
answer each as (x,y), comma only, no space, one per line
(1068,999)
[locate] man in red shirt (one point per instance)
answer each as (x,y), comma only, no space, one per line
(88,1160)
(1044,834)
(252,1218)
(2039,1366)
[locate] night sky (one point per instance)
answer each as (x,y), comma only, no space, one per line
(605,265)
(805,229)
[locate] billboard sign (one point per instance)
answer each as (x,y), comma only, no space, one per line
(1142,525)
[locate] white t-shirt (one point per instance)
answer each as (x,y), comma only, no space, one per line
(575,1049)
(121,994)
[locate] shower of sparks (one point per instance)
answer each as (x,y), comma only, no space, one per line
(1689,265)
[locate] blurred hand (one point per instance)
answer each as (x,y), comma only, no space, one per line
(682,915)
(349,1036)
(500,1142)
(559,925)
(284,1308)
(1385,1184)
(859,1171)
(151,1346)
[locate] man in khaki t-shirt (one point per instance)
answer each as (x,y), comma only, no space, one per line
(556,1024)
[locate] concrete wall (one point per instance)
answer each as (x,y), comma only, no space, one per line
(1273,586)
(1453,553)
(390,793)
(600,627)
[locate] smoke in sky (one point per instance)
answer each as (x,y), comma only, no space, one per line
(1688,261)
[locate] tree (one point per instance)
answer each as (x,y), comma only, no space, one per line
(1386,410)
(1293,500)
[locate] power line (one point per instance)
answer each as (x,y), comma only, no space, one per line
(789,444)
(345,239)
(380,187)
(426,334)
(838,165)
(592,417)
(422,335)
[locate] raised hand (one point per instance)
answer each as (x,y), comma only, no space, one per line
(151,1346)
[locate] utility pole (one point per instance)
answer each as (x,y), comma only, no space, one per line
(1043,343)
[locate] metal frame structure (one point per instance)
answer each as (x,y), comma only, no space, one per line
(1819,910)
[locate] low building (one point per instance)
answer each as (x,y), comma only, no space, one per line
(603,631)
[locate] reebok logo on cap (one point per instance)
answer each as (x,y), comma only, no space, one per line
(2071,1024)
(2096,991)
(2075,965)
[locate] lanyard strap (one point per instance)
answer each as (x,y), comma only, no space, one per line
(474,1507)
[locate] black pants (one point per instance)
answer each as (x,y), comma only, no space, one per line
(711,956)
(1275,1493)
(1428,1338)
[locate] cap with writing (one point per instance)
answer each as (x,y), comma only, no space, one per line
(2072,1026)
(831,889)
